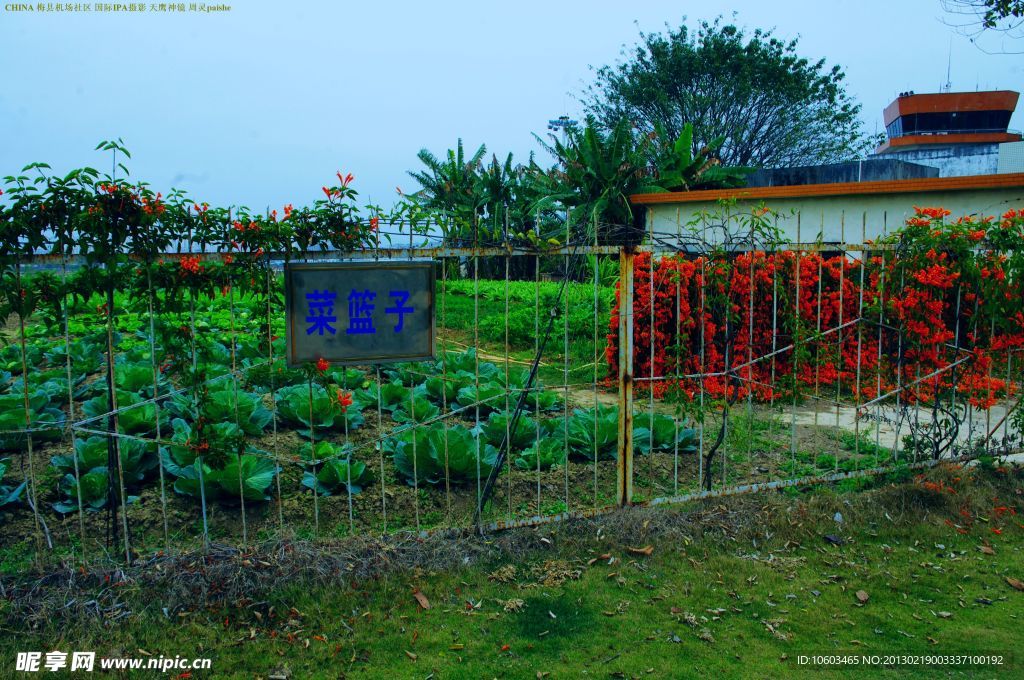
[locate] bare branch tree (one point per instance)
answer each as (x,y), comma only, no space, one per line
(980,20)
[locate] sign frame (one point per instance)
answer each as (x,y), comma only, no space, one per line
(291,331)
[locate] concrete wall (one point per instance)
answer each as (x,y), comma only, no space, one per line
(952,161)
(870,170)
(839,216)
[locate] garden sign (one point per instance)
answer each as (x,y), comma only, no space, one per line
(361,312)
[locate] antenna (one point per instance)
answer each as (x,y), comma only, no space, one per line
(949,65)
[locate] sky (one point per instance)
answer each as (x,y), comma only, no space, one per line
(262,104)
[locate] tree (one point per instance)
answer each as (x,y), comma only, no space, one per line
(484,203)
(773,107)
(597,171)
(450,185)
(979,17)
(680,169)
(595,174)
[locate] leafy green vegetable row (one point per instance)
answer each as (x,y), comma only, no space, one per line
(420,454)
(211,456)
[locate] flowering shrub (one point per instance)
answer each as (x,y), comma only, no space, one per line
(123,230)
(934,286)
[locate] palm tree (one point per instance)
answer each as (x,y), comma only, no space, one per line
(597,173)
(451,185)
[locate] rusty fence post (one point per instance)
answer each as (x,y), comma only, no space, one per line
(624,462)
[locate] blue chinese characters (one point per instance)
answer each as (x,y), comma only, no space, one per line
(321,312)
(320,316)
(360,312)
(401,297)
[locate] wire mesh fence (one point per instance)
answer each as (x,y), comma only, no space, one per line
(569,379)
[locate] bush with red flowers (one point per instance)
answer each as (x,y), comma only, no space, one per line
(934,293)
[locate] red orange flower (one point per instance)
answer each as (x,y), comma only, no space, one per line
(933,213)
(190,264)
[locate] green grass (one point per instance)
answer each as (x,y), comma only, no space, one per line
(741,593)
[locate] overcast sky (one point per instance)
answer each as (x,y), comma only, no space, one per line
(260,105)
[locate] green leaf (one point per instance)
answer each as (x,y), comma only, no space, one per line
(134,417)
(90,494)
(419,410)
(487,394)
(497,423)
(293,405)
(551,452)
(594,434)
(252,473)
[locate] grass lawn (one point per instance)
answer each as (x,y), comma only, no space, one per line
(737,587)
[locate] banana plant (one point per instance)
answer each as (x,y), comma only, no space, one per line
(597,172)
(450,185)
(680,169)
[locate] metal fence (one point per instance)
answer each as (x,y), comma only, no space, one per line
(540,421)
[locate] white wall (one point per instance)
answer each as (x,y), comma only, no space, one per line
(839,216)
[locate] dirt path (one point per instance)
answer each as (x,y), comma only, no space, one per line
(883,426)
